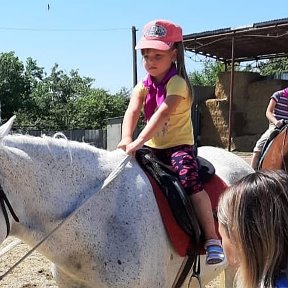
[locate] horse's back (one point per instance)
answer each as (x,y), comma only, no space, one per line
(228,166)
(122,234)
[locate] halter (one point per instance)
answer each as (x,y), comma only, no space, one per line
(4,200)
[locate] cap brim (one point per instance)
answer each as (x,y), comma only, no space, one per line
(152,44)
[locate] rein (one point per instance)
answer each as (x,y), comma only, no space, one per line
(282,150)
(109,179)
(5,202)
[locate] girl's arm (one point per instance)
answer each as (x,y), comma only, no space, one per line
(155,123)
(130,120)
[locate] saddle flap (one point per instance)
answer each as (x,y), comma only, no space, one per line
(177,198)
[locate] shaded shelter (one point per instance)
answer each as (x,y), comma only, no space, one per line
(259,41)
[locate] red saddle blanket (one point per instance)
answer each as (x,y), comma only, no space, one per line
(179,238)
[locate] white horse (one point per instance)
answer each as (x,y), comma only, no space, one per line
(109,233)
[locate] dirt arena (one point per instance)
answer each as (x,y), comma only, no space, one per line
(34,271)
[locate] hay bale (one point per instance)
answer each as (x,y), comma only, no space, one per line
(241,82)
(251,95)
(214,127)
(259,94)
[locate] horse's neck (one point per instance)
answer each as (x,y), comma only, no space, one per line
(33,151)
(276,154)
(45,181)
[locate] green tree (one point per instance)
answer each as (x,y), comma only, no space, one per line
(93,110)
(14,85)
(208,75)
(52,98)
(273,66)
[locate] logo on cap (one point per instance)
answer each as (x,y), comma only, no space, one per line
(156,31)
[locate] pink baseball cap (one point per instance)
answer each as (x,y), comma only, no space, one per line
(160,35)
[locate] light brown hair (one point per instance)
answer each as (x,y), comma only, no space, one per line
(254,213)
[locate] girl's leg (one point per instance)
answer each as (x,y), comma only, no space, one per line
(203,209)
(185,163)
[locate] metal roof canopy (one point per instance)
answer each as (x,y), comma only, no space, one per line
(264,40)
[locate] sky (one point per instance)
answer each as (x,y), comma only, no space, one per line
(95,37)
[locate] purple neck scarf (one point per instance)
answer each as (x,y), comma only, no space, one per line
(285,92)
(156,91)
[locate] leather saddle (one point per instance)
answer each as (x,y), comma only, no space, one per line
(180,204)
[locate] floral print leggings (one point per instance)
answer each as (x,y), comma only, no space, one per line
(183,160)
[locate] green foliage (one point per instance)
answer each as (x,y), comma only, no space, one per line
(273,66)
(14,85)
(54,101)
(51,98)
(208,75)
(93,109)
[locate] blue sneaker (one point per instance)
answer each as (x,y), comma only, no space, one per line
(214,252)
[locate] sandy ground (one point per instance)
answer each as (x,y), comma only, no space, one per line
(34,271)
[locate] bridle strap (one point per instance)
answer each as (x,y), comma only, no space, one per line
(4,200)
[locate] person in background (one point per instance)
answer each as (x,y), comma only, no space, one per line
(276,113)
(252,215)
(166,96)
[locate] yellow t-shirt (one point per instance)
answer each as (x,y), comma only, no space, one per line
(178,129)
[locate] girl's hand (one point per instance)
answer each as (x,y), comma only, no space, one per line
(134,146)
(124,142)
(280,123)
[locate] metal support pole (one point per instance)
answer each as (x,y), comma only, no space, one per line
(134,53)
(230,122)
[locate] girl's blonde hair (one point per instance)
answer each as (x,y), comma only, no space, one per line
(254,213)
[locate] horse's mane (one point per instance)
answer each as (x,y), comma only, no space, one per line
(58,139)
(56,146)
(53,143)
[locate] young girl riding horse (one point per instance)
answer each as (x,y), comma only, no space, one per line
(166,95)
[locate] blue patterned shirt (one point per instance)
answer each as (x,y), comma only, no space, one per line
(281,107)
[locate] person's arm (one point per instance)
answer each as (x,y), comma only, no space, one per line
(270,111)
(131,118)
(270,116)
(155,123)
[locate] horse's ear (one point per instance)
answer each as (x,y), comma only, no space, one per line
(5,128)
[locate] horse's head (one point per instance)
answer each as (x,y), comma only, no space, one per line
(6,208)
